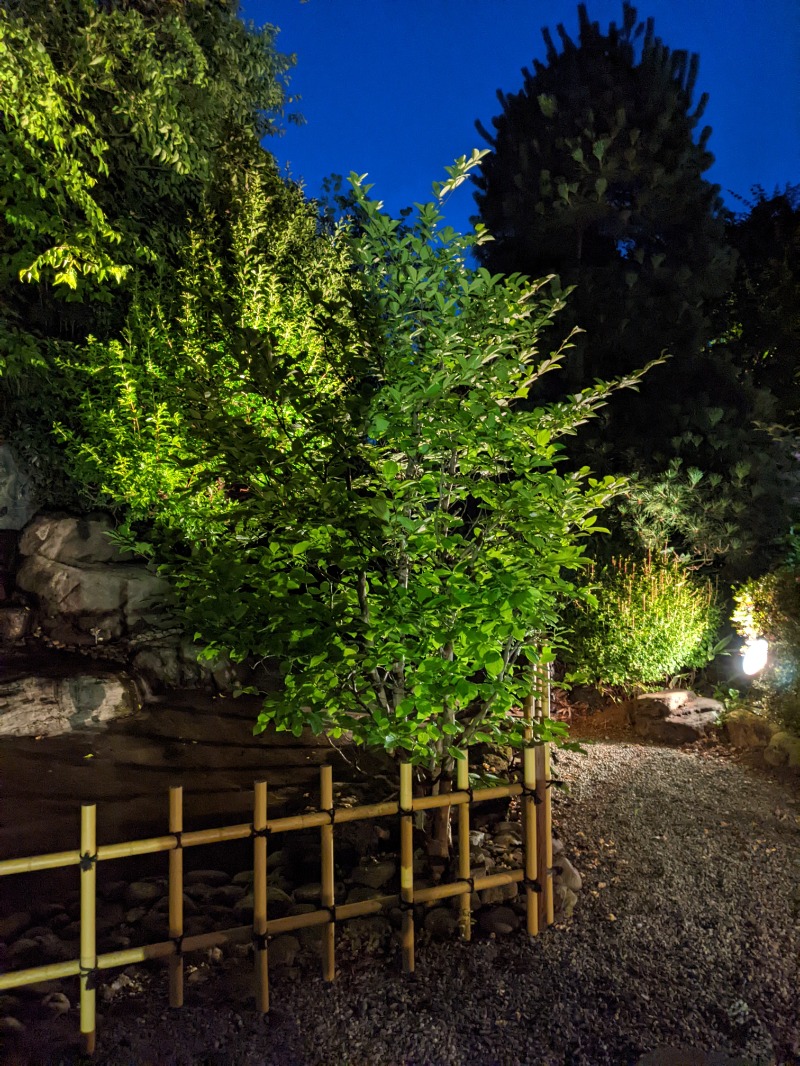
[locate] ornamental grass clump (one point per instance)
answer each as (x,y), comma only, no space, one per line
(647,619)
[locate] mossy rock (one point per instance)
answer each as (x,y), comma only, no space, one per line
(745,729)
(783,750)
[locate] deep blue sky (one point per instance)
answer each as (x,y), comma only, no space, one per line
(393,87)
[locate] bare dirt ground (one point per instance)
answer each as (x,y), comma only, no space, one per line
(686,935)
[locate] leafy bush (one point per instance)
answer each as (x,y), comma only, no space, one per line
(769,607)
(647,619)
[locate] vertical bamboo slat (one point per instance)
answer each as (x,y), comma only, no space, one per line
(407,866)
(327,878)
(544,814)
(464,866)
(260,896)
(532,869)
(176,897)
(88,942)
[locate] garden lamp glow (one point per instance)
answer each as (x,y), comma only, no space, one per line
(755,656)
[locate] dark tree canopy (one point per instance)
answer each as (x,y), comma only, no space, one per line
(596,174)
(763,311)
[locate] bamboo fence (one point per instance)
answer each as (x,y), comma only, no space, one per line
(535,875)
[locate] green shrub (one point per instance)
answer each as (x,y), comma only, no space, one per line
(769,607)
(648,618)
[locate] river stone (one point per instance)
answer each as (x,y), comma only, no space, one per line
(564,900)
(14,924)
(309,893)
(499,894)
(566,874)
(744,729)
(48,706)
(212,878)
(375,875)
(498,920)
(441,923)
(142,892)
(282,951)
(674,716)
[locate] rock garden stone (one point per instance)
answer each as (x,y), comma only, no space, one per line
(498,894)
(212,878)
(376,875)
(57,1002)
(674,716)
(308,893)
(141,893)
(358,893)
(283,950)
(15,622)
(227,895)
(566,874)
(564,900)
(498,920)
(441,923)
(13,925)
(783,750)
(51,706)
(744,729)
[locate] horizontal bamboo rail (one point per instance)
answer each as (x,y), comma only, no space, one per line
(534,875)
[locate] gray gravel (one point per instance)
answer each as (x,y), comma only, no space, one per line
(686,934)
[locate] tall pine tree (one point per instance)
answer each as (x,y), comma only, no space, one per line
(596,175)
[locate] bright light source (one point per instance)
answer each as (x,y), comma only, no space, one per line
(755,656)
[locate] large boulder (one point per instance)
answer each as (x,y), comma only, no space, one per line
(674,716)
(47,706)
(86,591)
(17,502)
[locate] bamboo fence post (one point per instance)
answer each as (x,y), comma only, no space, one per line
(260,896)
(176,897)
(464,866)
(327,878)
(88,939)
(407,865)
(531,850)
(544,813)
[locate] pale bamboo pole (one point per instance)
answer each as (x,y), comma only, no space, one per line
(260,896)
(464,866)
(544,813)
(327,874)
(176,897)
(88,938)
(531,852)
(407,866)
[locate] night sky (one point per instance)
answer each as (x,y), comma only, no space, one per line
(393,87)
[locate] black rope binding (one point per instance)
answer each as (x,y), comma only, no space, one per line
(554,781)
(265,832)
(87,861)
(178,839)
(526,791)
(260,941)
(468,881)
(406,905)
(331,813)
(178,942)
(90,973)
(332,912)
(533,883)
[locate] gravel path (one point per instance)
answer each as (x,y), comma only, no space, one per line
(686,933)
